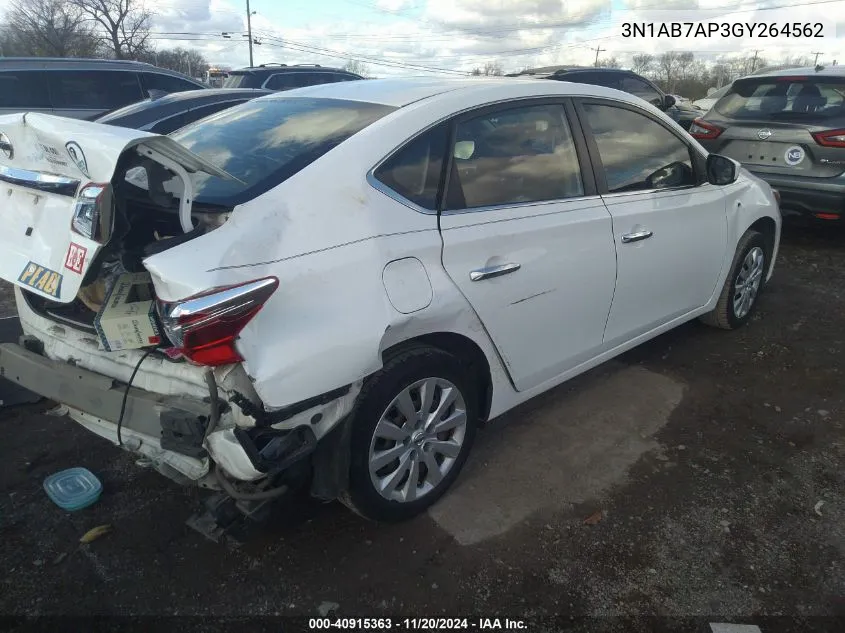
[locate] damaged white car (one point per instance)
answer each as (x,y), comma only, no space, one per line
(337,285)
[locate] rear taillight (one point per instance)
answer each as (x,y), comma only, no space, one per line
(205,327)
(830,138)
(92,213)
(702,130)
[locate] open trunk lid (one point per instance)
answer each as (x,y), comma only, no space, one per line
(46,163)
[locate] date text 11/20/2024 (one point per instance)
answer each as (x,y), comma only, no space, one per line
(417,624)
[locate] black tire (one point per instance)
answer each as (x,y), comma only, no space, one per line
(399,372)
(724,315)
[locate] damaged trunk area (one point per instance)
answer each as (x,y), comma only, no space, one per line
(146,209)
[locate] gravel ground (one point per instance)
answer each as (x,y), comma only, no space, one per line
(715,460)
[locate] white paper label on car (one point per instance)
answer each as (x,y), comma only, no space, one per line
(793,155)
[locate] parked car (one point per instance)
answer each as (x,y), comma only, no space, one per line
(710,100)
(171,112)
(350,278)
(81,88)
(284,77)
(626,81)
(788,128)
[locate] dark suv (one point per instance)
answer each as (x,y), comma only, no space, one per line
(82,88)
(788,128)
(618,79)
(284,77)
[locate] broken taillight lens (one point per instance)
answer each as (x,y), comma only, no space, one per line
(92,213)
(205,327)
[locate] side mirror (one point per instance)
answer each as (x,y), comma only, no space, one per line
(668,101)
(721,170)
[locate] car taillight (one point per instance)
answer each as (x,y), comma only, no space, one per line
(92,213)
(830,138)
(702,130)
(205,327)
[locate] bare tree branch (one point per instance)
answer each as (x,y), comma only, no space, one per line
(122,25)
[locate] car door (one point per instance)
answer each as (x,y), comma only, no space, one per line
(669,224)
(526,239)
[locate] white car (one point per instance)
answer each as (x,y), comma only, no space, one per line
(350,278)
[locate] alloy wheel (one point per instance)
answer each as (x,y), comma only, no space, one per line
(748,281)
(417,440)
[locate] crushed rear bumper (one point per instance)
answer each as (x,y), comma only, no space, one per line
(95,401)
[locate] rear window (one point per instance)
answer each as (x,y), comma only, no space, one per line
(266,141)
(784,98)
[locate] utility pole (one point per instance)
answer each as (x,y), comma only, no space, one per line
(249,30)
(754,62)
(598,49)
(816,63)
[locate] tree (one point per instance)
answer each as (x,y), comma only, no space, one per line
(357,67)
(668,67)
(643,63)
(47,28)
(124,24)
(184,60)
(491,69)
(610,62)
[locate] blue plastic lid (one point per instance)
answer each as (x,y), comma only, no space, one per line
(73,489)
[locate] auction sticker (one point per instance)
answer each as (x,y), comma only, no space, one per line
(47,281)
(75,259)
(793,155)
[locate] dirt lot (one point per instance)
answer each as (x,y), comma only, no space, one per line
(716,459)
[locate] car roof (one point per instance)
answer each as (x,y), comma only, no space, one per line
(824,71)
(293,68)
(399,92)
(19,63)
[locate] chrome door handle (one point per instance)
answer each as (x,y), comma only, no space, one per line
(636,237)
(494,271)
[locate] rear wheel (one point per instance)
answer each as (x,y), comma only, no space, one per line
(412,430)
(743,284)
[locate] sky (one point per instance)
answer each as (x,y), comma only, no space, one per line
(400,37)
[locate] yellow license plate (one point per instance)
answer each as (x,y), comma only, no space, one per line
(43,279)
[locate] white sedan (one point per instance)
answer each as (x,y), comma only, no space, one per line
(339,284)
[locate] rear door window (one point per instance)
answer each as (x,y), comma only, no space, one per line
(266,141)
(93,89)
(24,89)
(166,83)
(514,156)
(784,98)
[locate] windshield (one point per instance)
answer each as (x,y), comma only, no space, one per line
(266,141)
(237,80)
(786,98)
